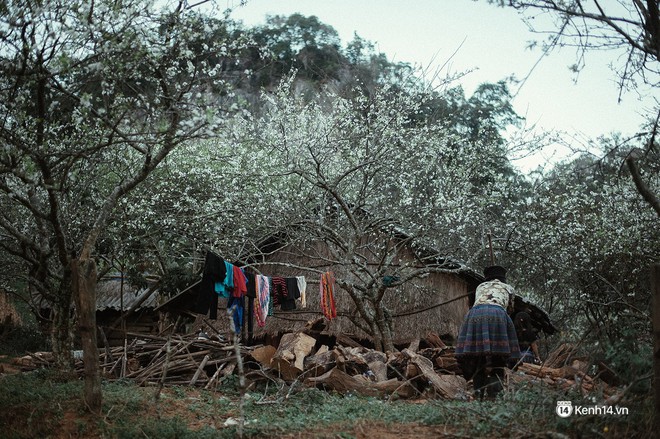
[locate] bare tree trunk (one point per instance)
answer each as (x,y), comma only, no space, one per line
(378,342)
(61,333)
(655,315)
(642,187)
(84,290)
(371,319)
(384,329)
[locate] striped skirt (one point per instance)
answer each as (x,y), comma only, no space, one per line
(487,330)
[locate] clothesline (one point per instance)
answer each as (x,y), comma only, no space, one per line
(223,279)
(264,293)
(345,314)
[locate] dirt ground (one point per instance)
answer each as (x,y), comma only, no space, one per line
(368,430)
(73,419)
(361,430)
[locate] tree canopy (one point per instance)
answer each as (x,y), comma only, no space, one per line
(94,98)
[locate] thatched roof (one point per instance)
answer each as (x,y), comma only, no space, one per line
(109,295)
(423,252)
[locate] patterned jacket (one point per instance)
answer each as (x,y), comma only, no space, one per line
(495,292)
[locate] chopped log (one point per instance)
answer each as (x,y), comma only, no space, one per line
(345,340)
(264,355)
(454,385)
(339,359)
(412,371)
(342,382)
(371,356)
(397,363)
(560,356)
(580,365)
(379,369)
(351,360)
(321,362)
(315,326)
(33,360)
(566,372)
(447,386)
(414,345)
(447,364)
(393,386)
(290,355)
(565,377)
(434,341)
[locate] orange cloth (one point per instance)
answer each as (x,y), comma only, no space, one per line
(328,295)
(240,283)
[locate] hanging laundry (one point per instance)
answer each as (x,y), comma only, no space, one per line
(292,288)
(251,284)
(302,287)
(240,283)
(262,301)
(279,293)
(214,271)
(224,288)
(221,278)
(328,295)
(235,306)
(271,306)
(293,293)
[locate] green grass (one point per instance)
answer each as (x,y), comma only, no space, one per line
(40,403)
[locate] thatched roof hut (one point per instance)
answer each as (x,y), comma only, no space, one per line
(117,297)
(436,302)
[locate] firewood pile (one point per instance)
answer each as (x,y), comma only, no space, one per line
(346,367)
(356,369)
(564,370)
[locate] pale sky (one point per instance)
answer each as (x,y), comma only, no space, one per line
(489,40)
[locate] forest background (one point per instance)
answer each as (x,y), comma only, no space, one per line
(135,138)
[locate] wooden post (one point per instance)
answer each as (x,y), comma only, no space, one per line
(84,286)
(655,316)
(490,246)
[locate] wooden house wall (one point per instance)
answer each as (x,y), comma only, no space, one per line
(418,294)
(144,321)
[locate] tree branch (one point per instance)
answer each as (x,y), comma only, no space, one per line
(642,188)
